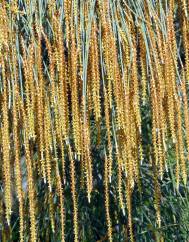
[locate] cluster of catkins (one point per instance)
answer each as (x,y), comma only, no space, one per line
(65,63)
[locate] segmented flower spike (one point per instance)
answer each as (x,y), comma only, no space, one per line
(107,200)
(6,144)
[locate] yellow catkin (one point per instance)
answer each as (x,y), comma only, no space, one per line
(63,161)
(143,69)
(180,142)
(129,209)
(107,120)
(89,88)
(62,81)
(4,26)
(127,147)
(67,10)
(47,142)
(30,180)
(169,91)
(51,8)
(159,43)
(107,56)
(73,191)
(6,146)
(186,47)
(170,75)
(60,129)
(115,78)
(61,199)
(28,74)
(184,6)
(74,95)
(133,161)
(18,174)
(160,154)
(57,118)
(51,212)
(154,120)
(86,153)
(177,171)
(16,142)
(31,90)
(107,202)
(135,86)
(120,188)
(95,75)
(40,103)
(186,113)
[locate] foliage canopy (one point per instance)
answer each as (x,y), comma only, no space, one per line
(94,122)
